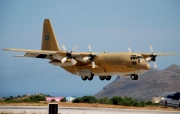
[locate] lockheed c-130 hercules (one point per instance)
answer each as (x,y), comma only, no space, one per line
(89,64)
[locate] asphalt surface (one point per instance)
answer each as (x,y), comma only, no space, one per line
(78,110)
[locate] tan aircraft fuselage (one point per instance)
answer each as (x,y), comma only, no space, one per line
(113,64)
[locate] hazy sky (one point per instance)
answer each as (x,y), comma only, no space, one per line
(108,25)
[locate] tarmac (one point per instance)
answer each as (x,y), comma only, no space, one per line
(77,110)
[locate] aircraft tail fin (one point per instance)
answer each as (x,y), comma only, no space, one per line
(49,41)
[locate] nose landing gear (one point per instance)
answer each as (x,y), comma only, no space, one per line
(134,77)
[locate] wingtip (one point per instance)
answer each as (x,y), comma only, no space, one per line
(5,49)
(166,54)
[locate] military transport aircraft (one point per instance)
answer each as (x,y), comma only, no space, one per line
(89,64)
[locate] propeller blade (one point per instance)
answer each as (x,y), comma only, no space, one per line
(155,65)
(93,64)
(63,59)
(89,46)
(73,61)
(129,49)
(74,48)
(63,46)
(151,48)
(85,59)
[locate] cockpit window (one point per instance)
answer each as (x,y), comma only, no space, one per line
(139,57)
(133,57)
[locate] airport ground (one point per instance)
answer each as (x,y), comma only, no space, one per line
(85,105)
(77,110)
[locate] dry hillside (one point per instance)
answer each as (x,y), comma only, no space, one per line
(152,83)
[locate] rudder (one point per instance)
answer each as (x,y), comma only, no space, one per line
(48,37)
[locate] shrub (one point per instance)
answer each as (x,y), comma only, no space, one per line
(142,103)
(104,100)
(85,99)
(63,99)
(116,100)
(77,100)
(37,98)
(89,99)
(28,100)
(16,101)
(136,103)
(149,103)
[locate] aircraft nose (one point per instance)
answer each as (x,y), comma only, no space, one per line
(147,67)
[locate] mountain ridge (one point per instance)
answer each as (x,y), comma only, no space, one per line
(152,83)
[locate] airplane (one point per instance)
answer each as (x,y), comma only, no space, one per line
(90,64)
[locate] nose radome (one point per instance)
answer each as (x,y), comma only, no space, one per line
(147,66)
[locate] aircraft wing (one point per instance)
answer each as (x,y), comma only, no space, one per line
(31,51)
(45,54)
(145,55)
(152,56)
(49,54)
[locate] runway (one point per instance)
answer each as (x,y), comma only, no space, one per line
(78,110)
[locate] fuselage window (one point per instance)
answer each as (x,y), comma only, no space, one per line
(134,63)
(133,57)
(139,57)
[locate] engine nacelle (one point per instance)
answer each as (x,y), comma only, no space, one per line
(148,59)
(56,56)
(59,63)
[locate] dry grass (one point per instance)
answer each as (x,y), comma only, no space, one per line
(66,104)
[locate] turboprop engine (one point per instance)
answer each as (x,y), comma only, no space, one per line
(66,63)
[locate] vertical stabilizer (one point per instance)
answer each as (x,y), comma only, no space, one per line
(48,37)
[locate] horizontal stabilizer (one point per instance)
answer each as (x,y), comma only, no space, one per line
(19,56)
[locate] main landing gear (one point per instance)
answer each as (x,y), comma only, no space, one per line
(134,77)
(105,77)
(84,78)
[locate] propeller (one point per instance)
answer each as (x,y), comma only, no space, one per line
(68,55)
(90,57)
(129,49)
(151,48)
(153,57)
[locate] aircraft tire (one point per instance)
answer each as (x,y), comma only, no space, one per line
(136,77)
(90,78)
(84,78)
(108,78)
(102,78)
(132,77)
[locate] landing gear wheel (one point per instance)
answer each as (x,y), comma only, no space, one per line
(134,77)
(102,78)
(108,78)
(90,78)
(84,78)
